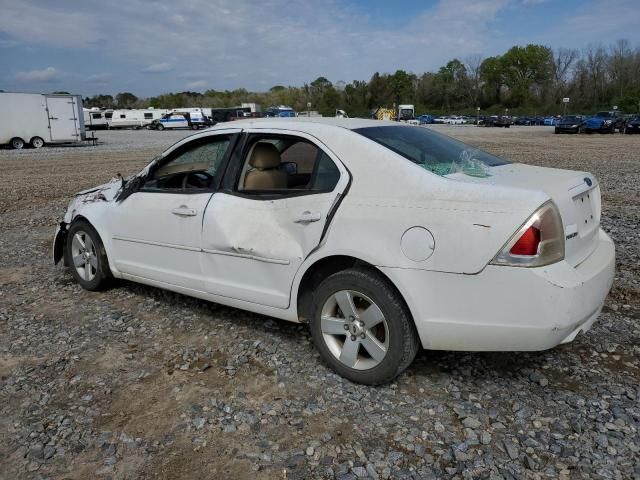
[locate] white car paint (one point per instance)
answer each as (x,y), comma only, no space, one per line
(253,255)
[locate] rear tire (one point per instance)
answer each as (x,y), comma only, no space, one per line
(86,257)
(361,327)
(17,143)
(160,127)
(37,142)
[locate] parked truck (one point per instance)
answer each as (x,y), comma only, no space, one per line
(39,119)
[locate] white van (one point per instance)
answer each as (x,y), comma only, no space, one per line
(198,116)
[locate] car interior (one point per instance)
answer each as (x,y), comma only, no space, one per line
(193,170)
(290,164)
(273,165)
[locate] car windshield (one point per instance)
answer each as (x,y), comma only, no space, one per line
(433,151)
(571,119)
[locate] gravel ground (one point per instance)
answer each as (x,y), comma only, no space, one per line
(137,382)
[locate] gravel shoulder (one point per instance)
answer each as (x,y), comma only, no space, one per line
(136,382)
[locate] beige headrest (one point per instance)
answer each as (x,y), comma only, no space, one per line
(265,155)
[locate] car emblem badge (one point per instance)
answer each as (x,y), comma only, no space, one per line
(588,181)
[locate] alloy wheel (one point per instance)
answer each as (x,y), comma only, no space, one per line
(354,329)
(83,254)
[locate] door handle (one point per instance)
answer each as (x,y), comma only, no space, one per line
(308,217)
(184,211)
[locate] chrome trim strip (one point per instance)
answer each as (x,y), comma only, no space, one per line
(248,256)
(277,261)
(157,244)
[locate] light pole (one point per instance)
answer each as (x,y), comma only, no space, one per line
(477,116)
(309,109)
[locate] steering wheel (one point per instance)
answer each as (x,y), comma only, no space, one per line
(196,180)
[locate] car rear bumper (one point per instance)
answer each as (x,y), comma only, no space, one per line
(508,308)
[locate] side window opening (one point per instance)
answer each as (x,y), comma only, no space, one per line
(148,115)
(192,170)
(281,165)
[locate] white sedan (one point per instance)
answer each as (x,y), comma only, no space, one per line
(383,237)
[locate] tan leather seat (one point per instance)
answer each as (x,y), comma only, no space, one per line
(265,173)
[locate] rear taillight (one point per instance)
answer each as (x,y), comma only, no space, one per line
(528,243)
(540,241)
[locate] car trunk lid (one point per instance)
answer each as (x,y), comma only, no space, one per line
(576,194)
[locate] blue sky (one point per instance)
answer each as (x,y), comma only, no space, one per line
(149,47)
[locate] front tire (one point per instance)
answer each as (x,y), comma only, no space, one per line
(361,327)
(86,257)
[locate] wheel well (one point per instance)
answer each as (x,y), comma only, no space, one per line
(325,267)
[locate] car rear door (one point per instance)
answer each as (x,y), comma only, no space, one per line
(255,241)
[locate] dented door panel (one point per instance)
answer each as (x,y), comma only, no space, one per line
(253,248)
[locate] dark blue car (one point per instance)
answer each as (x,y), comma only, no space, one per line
(424,119)
(605,122)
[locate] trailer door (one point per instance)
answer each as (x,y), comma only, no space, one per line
(63,119)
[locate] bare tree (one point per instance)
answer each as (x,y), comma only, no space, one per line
(564,61)
(473,64)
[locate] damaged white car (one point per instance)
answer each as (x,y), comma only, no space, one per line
(383,237)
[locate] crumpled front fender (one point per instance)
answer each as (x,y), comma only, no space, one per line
(59,240)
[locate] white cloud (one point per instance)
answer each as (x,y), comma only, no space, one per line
(243,43)
(48,75)
(158,68)
(49,24)
(197,84)
(274,41)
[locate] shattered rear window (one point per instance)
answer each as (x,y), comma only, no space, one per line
(433,151)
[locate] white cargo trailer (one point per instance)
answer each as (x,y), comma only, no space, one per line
(38,119)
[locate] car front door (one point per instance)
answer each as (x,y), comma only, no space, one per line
(157,229)
(279,192)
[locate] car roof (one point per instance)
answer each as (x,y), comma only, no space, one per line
(306,124)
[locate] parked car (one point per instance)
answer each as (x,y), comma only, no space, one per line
(633,125)
(178,120)
(605,122)
(277,217)
(551,121)
(524,121)
(571,124)
(424,119)
(498,121)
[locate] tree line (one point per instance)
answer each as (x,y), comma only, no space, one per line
(525,79)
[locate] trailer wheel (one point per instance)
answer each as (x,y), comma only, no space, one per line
(17,143)
(160,127)
(37,142)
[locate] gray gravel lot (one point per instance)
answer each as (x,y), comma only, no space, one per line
(137,382)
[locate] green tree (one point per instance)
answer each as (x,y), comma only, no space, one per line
(524,68)
(126,100)
(492,75)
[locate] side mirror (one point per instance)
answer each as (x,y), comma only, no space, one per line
(290,167)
